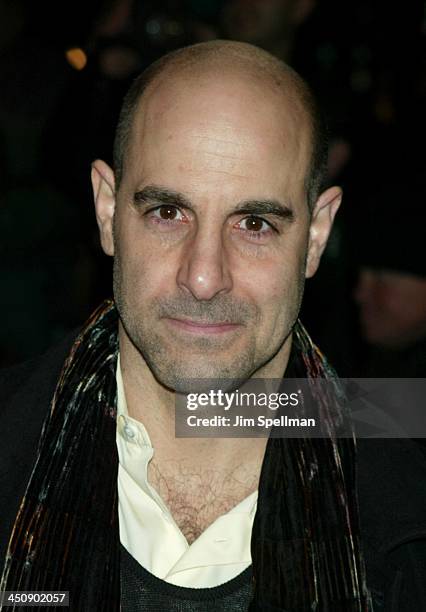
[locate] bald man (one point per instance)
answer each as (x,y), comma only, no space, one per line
(215,216)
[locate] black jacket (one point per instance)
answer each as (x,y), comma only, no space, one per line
(391,486)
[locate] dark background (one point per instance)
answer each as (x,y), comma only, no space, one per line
(364,60)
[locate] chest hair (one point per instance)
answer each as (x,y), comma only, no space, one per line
(196,496)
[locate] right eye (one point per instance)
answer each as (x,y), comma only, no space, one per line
(166,213)
(167,217)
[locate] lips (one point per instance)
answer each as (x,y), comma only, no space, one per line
(200,327)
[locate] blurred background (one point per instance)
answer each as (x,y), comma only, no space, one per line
(64,68)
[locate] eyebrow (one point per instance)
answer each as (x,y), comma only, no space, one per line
(162,195)
(265,207)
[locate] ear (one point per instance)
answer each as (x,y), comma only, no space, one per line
(320,227)
(103,184)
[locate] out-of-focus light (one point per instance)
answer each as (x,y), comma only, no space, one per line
(153,27)
(76,57)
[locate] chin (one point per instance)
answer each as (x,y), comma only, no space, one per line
(199,381)
(198,377)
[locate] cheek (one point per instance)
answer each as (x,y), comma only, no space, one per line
(131,259)
(276,287)
(144,272)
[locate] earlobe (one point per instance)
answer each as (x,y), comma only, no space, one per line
(322,221)
(103,185)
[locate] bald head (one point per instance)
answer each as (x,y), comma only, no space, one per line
(225,63)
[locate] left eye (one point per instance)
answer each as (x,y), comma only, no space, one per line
(254,224)
(167,213)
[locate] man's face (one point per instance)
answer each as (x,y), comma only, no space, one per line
(211,229)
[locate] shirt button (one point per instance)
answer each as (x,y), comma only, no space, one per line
(129,432)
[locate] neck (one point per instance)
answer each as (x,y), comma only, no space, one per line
(153,404)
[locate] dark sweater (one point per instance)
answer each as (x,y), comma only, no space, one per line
(140,590)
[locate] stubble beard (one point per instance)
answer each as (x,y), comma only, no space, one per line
(209,360)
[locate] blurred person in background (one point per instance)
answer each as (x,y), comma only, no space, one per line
(392,305)
(391,287)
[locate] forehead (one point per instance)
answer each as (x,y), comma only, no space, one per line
(219,130)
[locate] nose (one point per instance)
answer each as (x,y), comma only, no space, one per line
(204,270)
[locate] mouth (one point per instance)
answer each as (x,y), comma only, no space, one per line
(199,327)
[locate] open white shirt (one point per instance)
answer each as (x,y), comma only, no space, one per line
(147,528)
